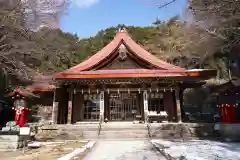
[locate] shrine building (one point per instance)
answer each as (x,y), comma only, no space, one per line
(119,80)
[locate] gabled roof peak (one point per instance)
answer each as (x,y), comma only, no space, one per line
(121,33)
(122,30)
(122,37)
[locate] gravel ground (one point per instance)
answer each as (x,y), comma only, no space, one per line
(124,150)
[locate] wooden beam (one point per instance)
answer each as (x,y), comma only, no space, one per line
(162,89)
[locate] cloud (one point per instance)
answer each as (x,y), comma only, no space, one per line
(86,3)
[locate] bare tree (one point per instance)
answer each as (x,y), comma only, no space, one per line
(15,40)
(219,18)
(158,3)
(43,13)
(11,26)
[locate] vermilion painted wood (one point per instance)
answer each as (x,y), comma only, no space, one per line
(136,49)
(160,67)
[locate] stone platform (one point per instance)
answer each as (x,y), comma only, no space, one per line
(130,130)
(181,130)
(9,140)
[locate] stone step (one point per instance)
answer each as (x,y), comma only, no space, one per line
(123,134)
(79,129)
(78,126)
(120,127)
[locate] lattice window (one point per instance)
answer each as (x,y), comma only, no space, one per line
(91,107)
(155,102)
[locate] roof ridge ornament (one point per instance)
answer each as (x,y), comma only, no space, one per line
(122,29)
(122,52)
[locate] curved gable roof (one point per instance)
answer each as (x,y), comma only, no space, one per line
(122,38)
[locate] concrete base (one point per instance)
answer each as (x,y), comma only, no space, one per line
(9,140)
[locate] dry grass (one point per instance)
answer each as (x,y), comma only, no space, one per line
(46,152)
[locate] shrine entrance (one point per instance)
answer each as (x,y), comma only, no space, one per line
(121,82)
(122,106)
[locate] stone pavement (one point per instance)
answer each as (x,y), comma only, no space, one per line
(124,150)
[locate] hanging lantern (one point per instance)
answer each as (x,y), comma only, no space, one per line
(139,91)
(82,91)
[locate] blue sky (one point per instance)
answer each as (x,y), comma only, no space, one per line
(87,17)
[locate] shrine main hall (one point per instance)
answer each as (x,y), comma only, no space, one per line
(122,80)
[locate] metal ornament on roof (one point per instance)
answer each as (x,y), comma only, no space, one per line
(122,52)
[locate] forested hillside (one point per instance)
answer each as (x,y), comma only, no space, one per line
(172,41)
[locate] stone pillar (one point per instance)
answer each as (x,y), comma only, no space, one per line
(145,105)
(101,118)
(178,105)
(69,119)
(55,108)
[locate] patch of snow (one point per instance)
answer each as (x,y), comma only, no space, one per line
(200,149)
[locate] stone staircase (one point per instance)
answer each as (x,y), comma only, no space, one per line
(123,130)
(86,130)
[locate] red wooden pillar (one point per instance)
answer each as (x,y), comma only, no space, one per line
(233,113)
(227,113)
(223,117)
